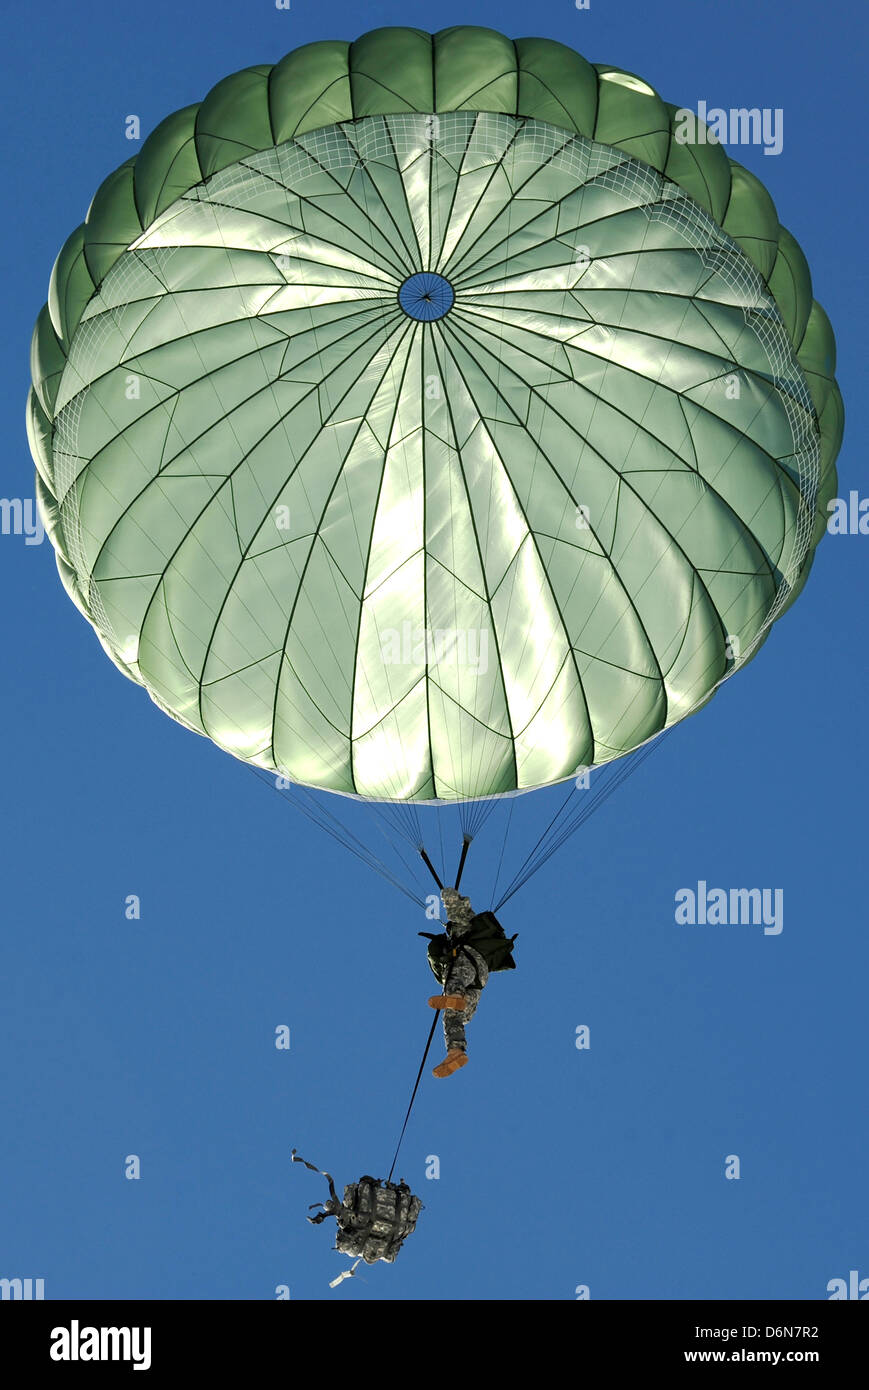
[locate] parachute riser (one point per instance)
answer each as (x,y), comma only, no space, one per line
(430,866)
(466,844)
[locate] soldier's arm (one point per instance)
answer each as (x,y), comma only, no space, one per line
(457,911)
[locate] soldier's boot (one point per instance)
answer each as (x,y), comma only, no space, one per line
(448,1001)
(452,1062)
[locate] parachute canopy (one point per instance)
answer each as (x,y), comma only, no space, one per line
(421,419)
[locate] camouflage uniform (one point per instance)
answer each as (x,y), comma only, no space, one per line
(468,973)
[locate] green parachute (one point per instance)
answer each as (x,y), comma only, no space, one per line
(422,420)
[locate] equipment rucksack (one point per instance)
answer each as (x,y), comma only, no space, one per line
(489,938)
(376,1219)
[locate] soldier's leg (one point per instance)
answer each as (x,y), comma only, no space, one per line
(455,1020)
(462,979)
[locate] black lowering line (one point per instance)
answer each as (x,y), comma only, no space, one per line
(413,1095)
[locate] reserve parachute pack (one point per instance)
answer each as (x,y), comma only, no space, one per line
(485,934)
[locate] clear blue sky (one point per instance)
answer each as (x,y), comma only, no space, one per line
(155,1037)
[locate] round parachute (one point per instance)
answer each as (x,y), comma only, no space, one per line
(425,418)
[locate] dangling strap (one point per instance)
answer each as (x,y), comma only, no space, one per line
(347,1274)
(314,1169)
(296,1158)
(315,1220)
